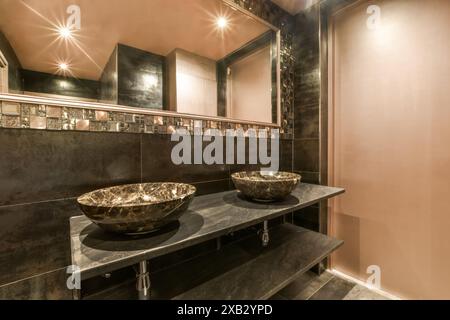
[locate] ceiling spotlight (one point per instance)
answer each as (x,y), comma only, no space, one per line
(63,66)
(222,22)
(65,32)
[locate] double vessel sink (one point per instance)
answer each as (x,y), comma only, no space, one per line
(143,208)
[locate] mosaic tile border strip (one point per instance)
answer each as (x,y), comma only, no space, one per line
(16,115)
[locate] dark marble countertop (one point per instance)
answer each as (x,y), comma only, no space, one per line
(96,252)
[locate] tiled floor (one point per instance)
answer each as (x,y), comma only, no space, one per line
(310,286)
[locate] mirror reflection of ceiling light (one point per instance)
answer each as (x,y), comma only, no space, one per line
(65,32)
(63,66)
(222,22)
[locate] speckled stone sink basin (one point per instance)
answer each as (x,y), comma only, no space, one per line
(265,186)
(137,208)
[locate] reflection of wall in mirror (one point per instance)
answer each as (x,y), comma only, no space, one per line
(14,66)
(3,74)
(249,87)
(192,83)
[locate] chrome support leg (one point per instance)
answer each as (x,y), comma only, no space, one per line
(265,234)
(218,244)
(76,294)
(143,281)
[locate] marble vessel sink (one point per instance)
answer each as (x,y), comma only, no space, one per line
(137,208)
(265,186)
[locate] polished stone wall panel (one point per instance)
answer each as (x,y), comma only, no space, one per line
(108,80)
(38,165)
(42,82)
(14,66)
(133,65)
(307,109)
(34,238)
(47,286)
(157,164)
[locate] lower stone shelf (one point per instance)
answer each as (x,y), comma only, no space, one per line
(243,270)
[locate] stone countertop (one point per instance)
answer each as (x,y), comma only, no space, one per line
(96,252)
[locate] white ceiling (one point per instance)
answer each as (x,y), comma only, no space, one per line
(295,6)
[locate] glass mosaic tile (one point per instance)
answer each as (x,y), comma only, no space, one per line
(148,120)
(53,112)
(82,125)
(73,113)
(54,124)
(10,121)
(101,115)
(113,126)
(149,129)
(37,122)
(10,108)
(129,118)
(158,120)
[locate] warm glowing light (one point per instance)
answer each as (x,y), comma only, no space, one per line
(222,22)
(63,66)
(65,32)
(150,81)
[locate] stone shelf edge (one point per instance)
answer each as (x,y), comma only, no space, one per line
(241,270)
(95,252)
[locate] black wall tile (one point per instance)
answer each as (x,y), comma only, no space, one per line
(48,286)
(158,166)
(108,80)
(307,123)
(213,186)
(309,177)
(34,238)
(307,155)
(286,155)
(53,84)
(40,165)
(132,65)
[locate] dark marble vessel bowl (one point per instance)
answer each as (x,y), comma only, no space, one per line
(265,186)
(137,208)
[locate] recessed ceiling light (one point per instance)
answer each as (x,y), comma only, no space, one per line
(63,66)
(222,22)
(65,32)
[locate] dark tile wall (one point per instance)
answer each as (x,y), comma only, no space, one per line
(311,106)
(14,66)
(108,80)
(307,107)
(45,165)
(54,84)
(133,65)
(42,173)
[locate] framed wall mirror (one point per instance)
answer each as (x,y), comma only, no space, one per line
(207,58)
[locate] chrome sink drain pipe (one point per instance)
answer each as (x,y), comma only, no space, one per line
(143,281)
(265,234)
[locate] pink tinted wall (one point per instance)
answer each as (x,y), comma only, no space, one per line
(389,144)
